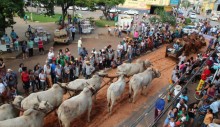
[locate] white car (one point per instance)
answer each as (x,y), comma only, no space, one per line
(131,12)
(84,9)
(189,29)
(114,10)
(214,18)
(192,15)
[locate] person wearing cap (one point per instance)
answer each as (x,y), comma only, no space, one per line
(11,78)
(159,105)
(89,70)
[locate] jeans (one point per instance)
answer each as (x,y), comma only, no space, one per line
(43,85)
(79,49)
(33,84)
(129,57)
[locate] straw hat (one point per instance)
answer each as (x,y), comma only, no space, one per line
(162,96)
(177,89)
(87,62)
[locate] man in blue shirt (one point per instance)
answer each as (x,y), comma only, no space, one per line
(7,41)
(73,31)
(14,36)
(201,113)
(159,105)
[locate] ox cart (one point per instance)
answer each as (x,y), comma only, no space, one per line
(170,51)
(61,36)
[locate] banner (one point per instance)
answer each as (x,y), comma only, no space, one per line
(174,2)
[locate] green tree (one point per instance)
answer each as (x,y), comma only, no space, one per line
(185,4)
(8,8)
(65,4)
(49,6)
(108,4)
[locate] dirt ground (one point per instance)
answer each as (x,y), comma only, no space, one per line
(122,109)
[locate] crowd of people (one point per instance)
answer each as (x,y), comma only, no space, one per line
(185,112)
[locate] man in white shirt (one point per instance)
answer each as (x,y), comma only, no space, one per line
(79,45)
(119,49)
(50,56)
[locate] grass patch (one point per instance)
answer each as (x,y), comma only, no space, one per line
(103,23)
(43,18)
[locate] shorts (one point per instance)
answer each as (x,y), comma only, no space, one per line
(41,49)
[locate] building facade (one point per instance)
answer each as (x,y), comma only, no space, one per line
(150,5)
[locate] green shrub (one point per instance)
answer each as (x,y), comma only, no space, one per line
(103,23)
(187,21)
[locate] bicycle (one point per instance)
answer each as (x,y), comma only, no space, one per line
(198,95)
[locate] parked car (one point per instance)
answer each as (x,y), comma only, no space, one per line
(189,29)
(131,12)
(114,10)
(214,18)
(192,15)
(84,9)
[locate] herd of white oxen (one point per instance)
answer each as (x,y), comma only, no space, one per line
(38,104)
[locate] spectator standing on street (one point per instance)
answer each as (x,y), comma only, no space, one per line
(119,31)
(14,36)
(7,41)
(89,70)
(32,80)
(50,55)
(2,68)
(42,77)
(48,74)
(159,106)
(208,118)
(40,46)
(79,45)
(73,31)
(30,46)
(24,49)
(69,19)
(25,80)
(58,71)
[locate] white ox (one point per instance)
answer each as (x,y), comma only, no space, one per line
(75,106)
(30,118)
(80,84)
(53,95)
(114,91)
(133,68)
(8,111)
(138,81)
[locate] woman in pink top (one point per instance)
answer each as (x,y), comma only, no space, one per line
(136,34)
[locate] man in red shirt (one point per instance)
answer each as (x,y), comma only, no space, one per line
(25,80)
(206,73)
(40,46)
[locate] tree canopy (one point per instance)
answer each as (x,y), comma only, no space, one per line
(108,4)
(8,8)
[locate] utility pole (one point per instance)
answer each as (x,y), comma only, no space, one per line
(31,10)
